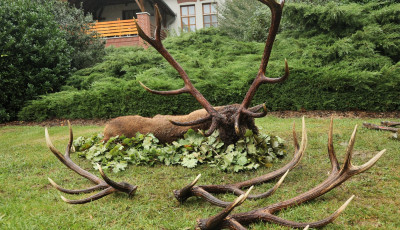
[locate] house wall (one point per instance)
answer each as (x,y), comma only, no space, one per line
(123,41)
(175,5)
(114,11)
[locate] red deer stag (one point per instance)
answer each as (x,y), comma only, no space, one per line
(167,128)
(231,120)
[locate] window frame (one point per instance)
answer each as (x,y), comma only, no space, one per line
(211,23)
(188,16)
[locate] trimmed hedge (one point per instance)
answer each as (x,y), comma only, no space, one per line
(356,69)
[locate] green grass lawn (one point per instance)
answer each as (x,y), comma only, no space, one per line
(28,201)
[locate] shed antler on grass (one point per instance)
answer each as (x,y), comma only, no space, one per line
(205,191)
(107,185)
(233,120)
(337,176)
(385,126)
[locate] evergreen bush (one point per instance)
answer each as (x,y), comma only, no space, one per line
(42,42)
(36,57)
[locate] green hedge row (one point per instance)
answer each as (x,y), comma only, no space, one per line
(306,89)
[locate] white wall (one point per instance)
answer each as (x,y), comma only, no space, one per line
(112,12)
(173,4)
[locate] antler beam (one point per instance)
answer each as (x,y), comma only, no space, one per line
(107,185)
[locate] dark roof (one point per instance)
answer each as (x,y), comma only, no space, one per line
(93,5)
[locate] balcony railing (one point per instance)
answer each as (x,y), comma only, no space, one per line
(118,28)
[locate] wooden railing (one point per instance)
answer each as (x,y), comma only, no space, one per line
(116,28)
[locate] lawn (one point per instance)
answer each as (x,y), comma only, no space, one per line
(28,201)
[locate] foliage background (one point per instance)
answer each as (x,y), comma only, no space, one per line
(41,43)
(342,56)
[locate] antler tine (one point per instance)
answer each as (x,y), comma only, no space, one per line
(250,113)
(268,193)
(331,150)
(200,192)
(213,127)
(293,224)
(272,190)
(52,148)
(190,123)
(94,197)
(66,160)
(358,169)
(158,23)
(295,141)
(170,92)
(123,186)
(215,221)
(276,14)
(141,5)
(69,191)
(264,79)
(369,164)
(71,138)
(184,193)
(349,151)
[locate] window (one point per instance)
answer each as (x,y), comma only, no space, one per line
(210,17)
(188,18)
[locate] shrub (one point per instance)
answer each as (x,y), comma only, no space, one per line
(88,46)
(41,42)
(35,54)
(245,20)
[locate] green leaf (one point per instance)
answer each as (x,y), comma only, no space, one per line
(242,160)
(189,162)
(248,133)
(251,148)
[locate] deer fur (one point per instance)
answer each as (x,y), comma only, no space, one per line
(167,132)
(158,125)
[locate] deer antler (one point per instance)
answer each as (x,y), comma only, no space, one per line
(386,126)
(337,176)
(107,185)
(141,5)
(276,14)
(220,119)
(188,88)
(205,191)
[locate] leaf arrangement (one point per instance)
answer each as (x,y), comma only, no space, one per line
(192,150)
